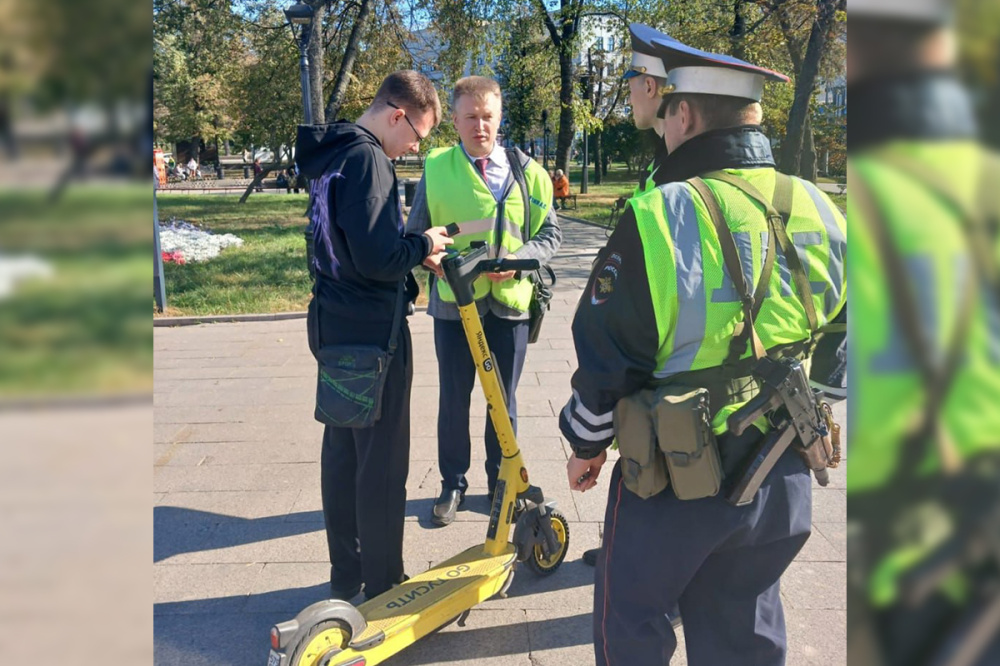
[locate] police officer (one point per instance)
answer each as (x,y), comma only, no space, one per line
(502,198)
(925,419)
(646,78)
(662,306)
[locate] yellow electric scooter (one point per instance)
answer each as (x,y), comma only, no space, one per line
(335,633)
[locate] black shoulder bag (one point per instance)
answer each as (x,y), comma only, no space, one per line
(352,377)
(541,294)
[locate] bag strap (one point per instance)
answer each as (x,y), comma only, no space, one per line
(397,318)
(397,315)
(517,171)
(938,378)
(979,222)
(731,256)
(781,210)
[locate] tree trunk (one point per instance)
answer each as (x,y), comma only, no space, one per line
(564,141)
(737,34)
(347,64)
(808,163)
(315,53)
(805,82)
(598,159)
(196,149)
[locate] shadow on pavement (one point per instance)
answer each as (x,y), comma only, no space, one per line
(178,530)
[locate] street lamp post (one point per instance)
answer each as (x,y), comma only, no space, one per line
(300,14)
(545,138)
(584,177)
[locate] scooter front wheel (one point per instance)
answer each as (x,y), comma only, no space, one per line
(323,641)
(538,562)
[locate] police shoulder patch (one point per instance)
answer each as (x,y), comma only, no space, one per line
(605,279)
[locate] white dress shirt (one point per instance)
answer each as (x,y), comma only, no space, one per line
(497,169)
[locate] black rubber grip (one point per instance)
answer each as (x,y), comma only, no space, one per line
(517,265)
(452,229)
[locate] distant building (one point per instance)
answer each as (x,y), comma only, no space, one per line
(832,97)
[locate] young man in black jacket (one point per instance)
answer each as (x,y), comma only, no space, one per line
(361,256)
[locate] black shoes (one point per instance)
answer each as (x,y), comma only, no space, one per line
(344,591)
(590,556)
(446,506)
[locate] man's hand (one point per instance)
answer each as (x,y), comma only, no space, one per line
(500,277)
(433,263)
(583,474)
(439,240)
(506,275)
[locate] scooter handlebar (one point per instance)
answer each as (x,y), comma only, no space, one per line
(515,265)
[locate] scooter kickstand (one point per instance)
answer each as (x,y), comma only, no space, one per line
(463,617)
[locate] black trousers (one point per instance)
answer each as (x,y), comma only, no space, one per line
(364,486)
(721,564)
(508,342)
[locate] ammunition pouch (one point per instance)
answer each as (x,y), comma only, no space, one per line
(644,470)
(684,432)
(665,438)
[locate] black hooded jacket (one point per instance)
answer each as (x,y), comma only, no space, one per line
(357,222)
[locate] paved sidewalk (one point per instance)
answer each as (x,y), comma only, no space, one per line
(239,541)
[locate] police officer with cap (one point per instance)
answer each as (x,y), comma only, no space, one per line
(646,78)
(671,304)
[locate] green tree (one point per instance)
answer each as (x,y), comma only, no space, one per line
(197,48)
(528,75)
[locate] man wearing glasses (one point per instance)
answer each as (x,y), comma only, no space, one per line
(502,198)
(362,265)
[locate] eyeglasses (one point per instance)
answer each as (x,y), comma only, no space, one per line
(407,119)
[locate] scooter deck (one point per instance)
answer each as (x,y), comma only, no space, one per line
(426,602)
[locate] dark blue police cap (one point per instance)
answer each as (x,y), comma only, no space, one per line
(644,58)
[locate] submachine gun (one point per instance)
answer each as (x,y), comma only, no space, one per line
(798,418)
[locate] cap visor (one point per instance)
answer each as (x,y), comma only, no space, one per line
(630,74)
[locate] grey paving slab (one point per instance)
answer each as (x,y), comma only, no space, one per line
(239,541)
(816,636)
(835,533)
(560,636)
(223,453)
(815,586)
(219,588)
(285,476)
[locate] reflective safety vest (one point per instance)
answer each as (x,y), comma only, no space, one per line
(456,192)
(695,302)
(936,248)
(917,200)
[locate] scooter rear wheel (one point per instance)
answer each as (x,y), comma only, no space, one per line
(537,562)
(326,639)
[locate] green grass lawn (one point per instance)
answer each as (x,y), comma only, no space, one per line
(267,274)
(595,205)
(86,329)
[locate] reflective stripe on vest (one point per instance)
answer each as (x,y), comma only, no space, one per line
(457,193)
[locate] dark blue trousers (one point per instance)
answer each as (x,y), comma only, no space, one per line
(508,342)
(721,564)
